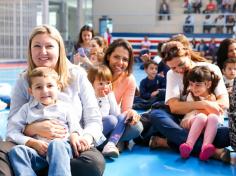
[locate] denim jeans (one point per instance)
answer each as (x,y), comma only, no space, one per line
(168,125)
(130,132)
(26,161)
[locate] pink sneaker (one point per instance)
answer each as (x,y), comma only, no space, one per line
(207,151)
(185,150)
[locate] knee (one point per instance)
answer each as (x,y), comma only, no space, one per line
(90,163)
(213,118)
(18,150)
(136,129)
(201,118)
(56,143)
(112,121)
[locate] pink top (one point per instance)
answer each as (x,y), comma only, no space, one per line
(124,90)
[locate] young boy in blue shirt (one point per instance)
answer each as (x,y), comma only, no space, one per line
(152,88)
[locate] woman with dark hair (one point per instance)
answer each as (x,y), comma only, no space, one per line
(85,36)
(226,50)
(166,120)
(119,58)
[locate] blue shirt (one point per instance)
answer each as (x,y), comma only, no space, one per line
(148,86)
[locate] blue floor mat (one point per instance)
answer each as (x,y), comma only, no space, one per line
(142,161)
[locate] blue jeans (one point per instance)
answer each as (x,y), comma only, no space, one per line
(113,124)
(26,161)
(168,125)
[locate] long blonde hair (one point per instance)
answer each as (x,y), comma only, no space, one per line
(62,63)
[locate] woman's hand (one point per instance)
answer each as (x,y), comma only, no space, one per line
(132,117)
(212,107)
(50,129)
(79,143)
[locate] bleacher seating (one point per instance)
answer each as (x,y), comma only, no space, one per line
(136,38)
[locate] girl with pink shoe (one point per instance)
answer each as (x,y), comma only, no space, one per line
(199,85)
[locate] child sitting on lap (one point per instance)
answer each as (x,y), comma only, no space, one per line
(34,152)
(199,84)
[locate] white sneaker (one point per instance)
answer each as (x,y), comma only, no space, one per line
(110,150)
(2,105)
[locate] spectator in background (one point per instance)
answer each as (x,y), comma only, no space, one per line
(98,46)
(234,7)
(226,6)
(194,44)
(202,47)
(197,4)
(212,49)
(211,7)
(85,35)
(227,49)
(189,24)
(164,10)
(230,22)
(220,22)
(108,36)
(145,46)
(207,24)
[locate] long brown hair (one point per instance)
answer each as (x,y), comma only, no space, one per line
(173,49)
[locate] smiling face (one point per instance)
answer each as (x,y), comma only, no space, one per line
(86,37)
(200,89)
(232,50)
(118,61)
(44,90)
(94,47)
(179,64)
(44,51)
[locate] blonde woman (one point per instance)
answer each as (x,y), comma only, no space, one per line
(46,49)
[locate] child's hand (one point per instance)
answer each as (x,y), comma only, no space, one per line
(78,59)
(108,89)
(40,146)
(161,74)
(145,57)
(154,93)
(78,143)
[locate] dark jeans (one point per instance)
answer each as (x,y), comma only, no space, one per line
(168,125)
(89,163)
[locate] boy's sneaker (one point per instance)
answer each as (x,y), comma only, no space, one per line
(110,150)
